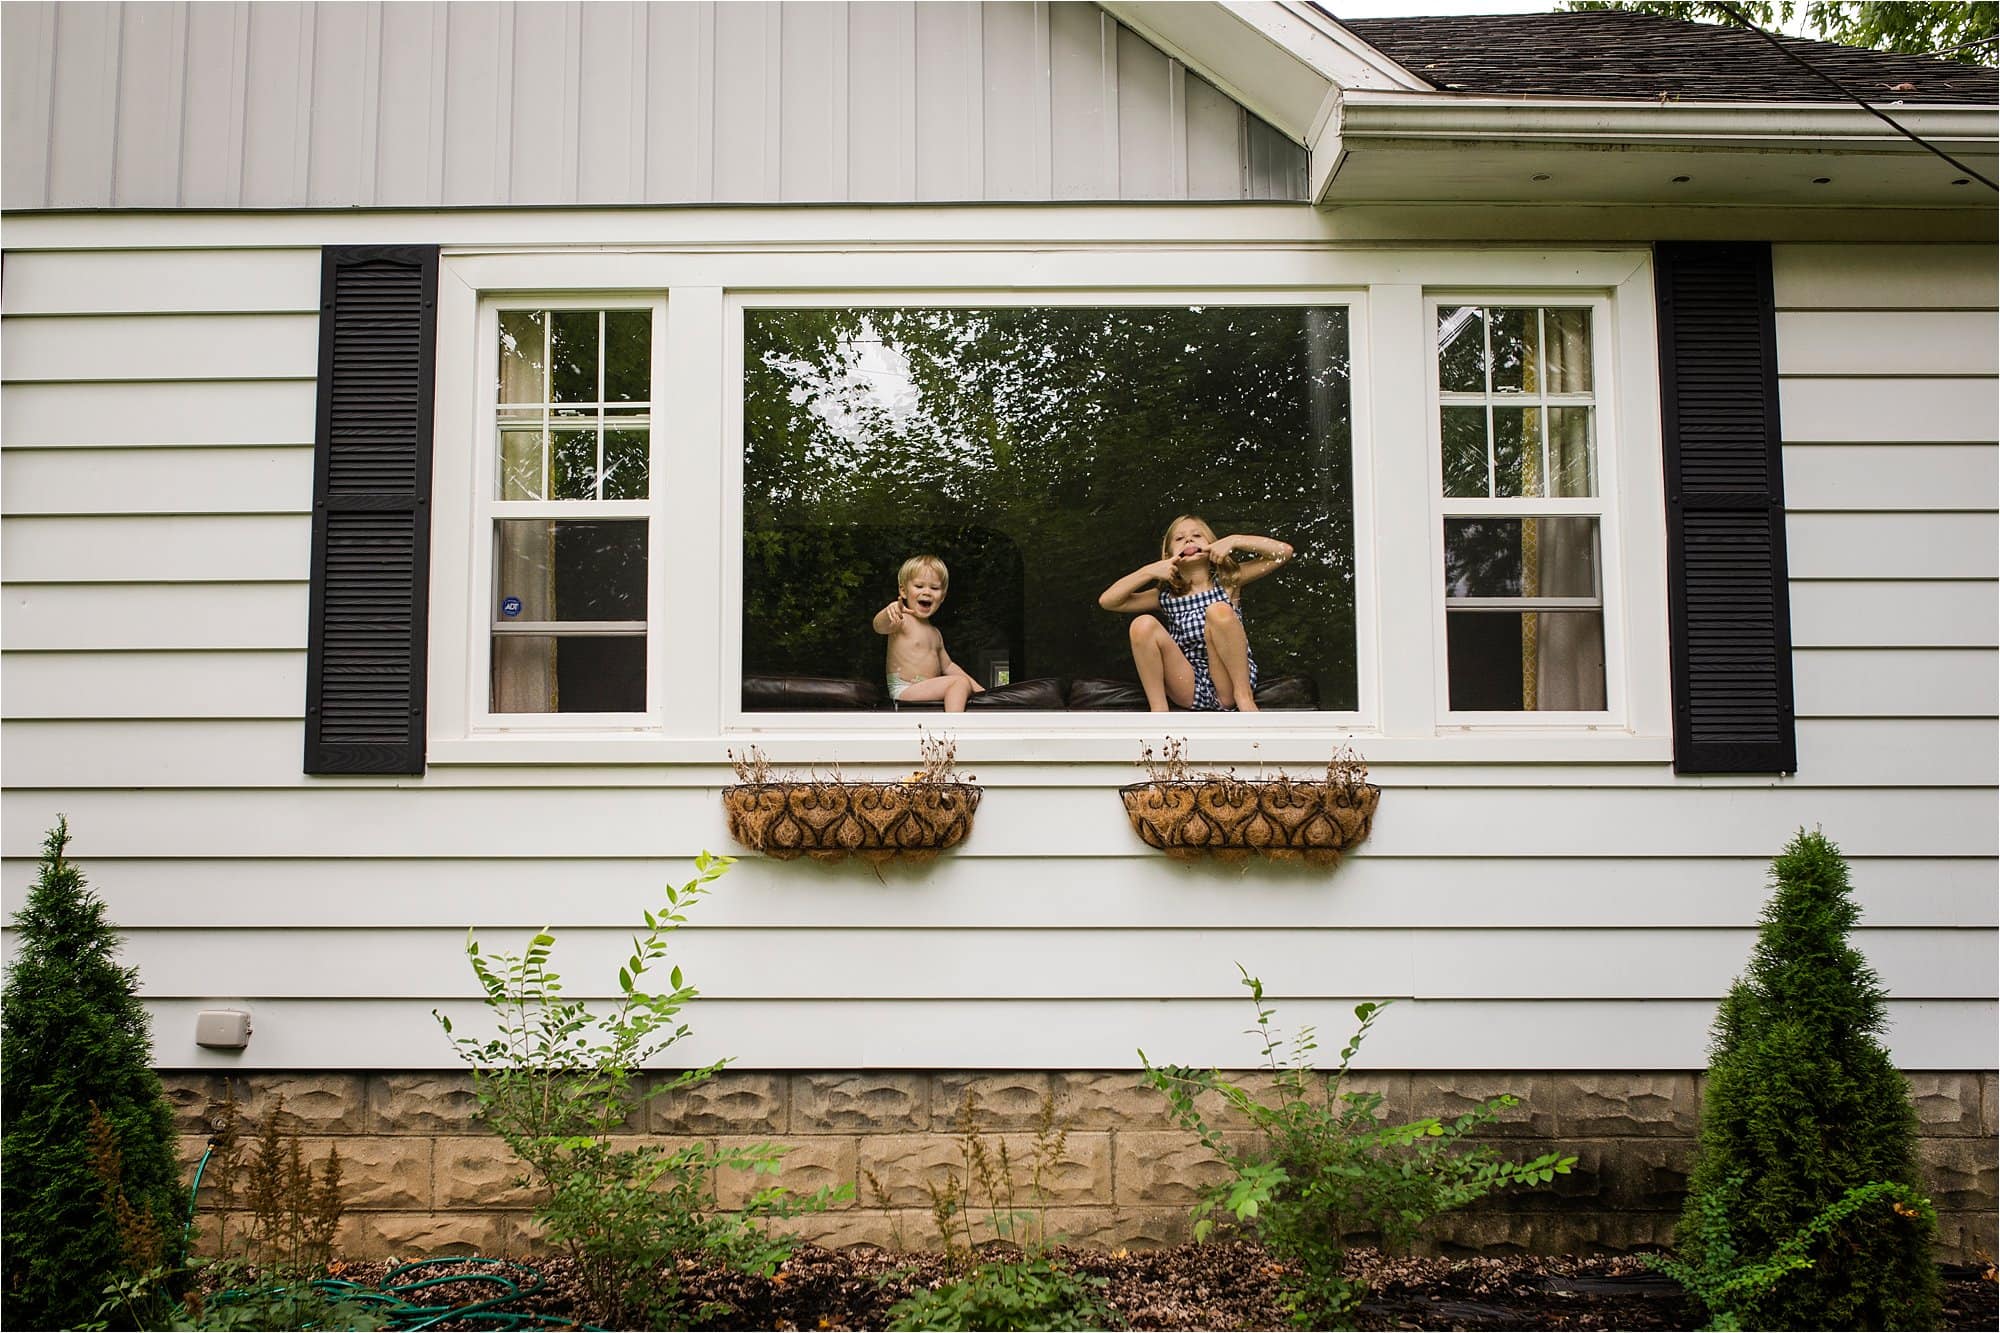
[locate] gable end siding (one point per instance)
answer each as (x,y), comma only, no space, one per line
(371,510)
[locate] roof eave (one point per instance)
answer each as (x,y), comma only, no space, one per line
(1534,150)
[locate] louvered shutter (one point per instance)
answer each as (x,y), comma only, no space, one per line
(371,510)
(1729,604)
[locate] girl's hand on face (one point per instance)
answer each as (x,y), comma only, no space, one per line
(1164,569)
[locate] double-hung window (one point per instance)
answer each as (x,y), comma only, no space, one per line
(567,506)
(1522,494)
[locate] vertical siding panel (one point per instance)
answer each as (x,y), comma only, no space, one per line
(807,116)
(947,105)
(1015,114)
(28,39)
(675,116)
(1214,142)
(212,106)
(1277,165)
(607,34)
(340,111)
(83,115)
(153,46)
(1146,120)
(271,103)
(1082,48)
(403,118)
(471,93)
(881,134)
(742,100)
(539,73)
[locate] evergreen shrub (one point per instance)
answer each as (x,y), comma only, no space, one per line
(91,1191)
(1802,1108)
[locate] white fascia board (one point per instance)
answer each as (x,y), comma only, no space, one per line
(1284,62)
(1365,116)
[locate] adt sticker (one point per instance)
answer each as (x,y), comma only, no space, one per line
(510,606)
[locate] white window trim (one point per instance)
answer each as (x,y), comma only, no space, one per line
(694,648)
(1602,506)
(1327,722)
(488,507)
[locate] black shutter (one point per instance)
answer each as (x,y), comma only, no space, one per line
(365,647)
(1729,603)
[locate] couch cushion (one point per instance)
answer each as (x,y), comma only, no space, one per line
(1278,694)
(815,694)
(1094,695)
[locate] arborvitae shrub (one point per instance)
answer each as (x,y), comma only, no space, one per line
(91,1188)
(1802,1105)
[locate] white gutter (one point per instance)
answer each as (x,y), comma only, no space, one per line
(1369,118)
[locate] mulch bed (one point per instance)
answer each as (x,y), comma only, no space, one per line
(1230,1285)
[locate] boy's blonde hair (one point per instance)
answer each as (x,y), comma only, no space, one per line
(1225,569)
(917,562)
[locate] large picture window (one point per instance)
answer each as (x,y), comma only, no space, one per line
(1040,453)
(1517,421)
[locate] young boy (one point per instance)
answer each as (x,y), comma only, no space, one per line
(919,668)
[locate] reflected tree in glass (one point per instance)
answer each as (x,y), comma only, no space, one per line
(1041,451)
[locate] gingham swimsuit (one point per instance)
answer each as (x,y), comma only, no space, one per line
(1186,617)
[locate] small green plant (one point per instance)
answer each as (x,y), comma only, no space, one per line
(1329,1165)
(1001,1291)
(557,1080)
(271,1264)
(1803,1105)
(1730,1285)
(91,1189)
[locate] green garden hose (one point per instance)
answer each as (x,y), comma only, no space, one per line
(396,1299)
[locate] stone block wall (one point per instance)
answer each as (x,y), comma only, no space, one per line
(423,1177)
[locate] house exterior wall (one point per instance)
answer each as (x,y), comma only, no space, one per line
(1543,914)
(287,105)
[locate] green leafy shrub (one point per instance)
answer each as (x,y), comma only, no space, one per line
(91,1192)
(1802,1106)
(999,1290)
(557,1080)
(1728,1283)
(1328,1165)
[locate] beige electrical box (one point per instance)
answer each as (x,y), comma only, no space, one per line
(224,1029)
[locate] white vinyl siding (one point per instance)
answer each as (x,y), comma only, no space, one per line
(1535,910)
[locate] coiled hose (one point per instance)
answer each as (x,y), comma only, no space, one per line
(397,1300)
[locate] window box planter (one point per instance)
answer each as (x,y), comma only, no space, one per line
(1230,819)
(830,821)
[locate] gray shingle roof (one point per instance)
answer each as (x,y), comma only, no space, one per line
(1620,54)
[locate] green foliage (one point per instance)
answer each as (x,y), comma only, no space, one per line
(985,1196)
(1329,1165)
(91,1192)
(231,1295)
(1033,1292)
(1803,1105)
(1951,29)
(557,1080)
(1728,1283)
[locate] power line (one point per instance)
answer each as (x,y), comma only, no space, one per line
(1744,19)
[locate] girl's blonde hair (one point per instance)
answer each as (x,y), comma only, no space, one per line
(917,562)
(1225,568)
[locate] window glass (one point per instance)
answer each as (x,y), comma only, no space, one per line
(1524,606)
(1041,452)
(569,594)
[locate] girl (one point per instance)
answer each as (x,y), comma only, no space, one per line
(1200,658)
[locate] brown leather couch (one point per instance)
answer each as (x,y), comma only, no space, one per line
(1048,694)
